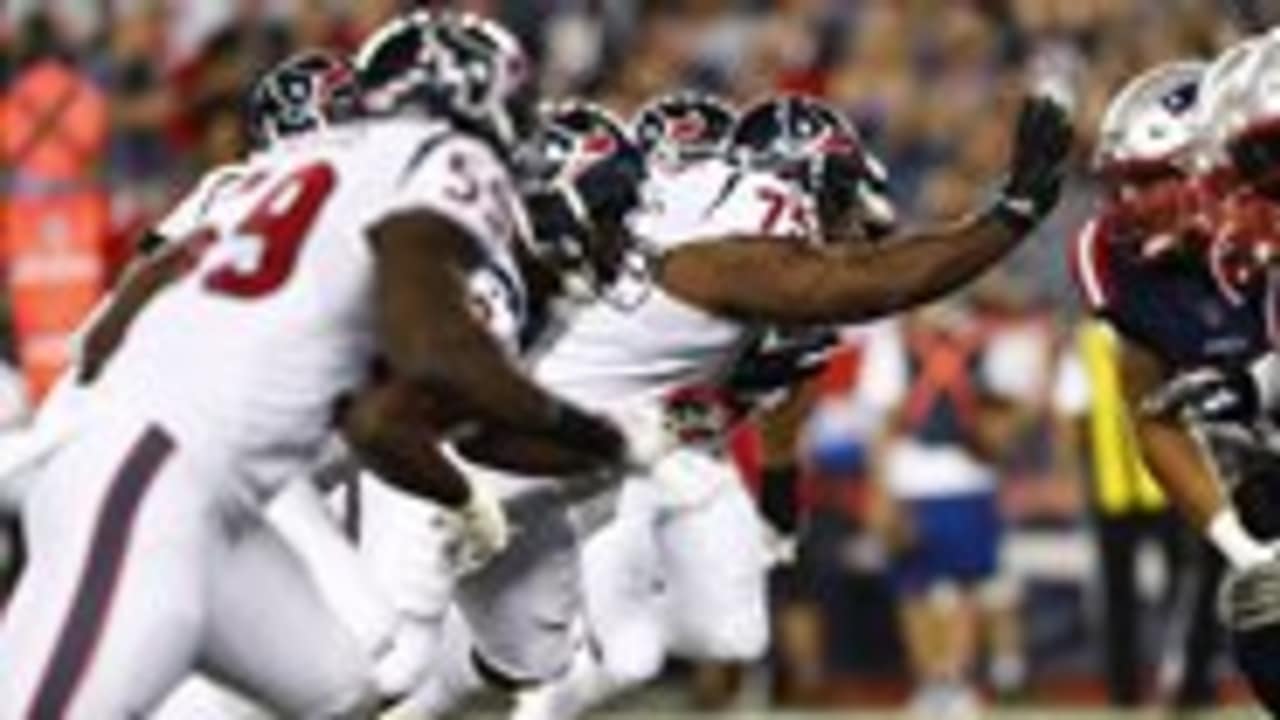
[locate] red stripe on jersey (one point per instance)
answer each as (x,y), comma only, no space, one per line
(1090,264)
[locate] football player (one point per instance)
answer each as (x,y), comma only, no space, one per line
(1175,262)
(722,252)
(409,544)
(404,542)
(149,555)
(310,90)
(682,571)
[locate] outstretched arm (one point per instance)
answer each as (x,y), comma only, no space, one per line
(764,279)
(775,281)
(391,430)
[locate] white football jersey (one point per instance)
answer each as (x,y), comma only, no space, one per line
(642,342)
(243,358)
(187,215)
(183,219)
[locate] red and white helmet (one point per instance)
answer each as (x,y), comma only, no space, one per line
(1150,129)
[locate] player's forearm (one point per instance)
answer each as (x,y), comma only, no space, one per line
(918,269)
(1175,458)
(470,371)
(782,284)
(431,336)
(781,425)
(1180,463)
(1183,471)
(389,435)
(476,378)
(527,454)
(141,281)
(1181,468)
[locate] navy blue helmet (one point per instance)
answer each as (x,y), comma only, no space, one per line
(683,127)
(468,69)
(812,141)
(309,91)
(582,178)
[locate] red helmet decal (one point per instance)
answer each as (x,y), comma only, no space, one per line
(335,78)
(691,127)
(600,143)
(338,74)
(834,142)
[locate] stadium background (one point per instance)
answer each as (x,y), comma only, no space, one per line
(146,94)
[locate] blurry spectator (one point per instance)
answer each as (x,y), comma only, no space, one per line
(834,451)
(54,221)
(316,25)
(142,163)
(14,413)
(658,57)
(575,48)
(367,15)
(951,415)
(223,138)
(38,39)
(786,503)
(790,51)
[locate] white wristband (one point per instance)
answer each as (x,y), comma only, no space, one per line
(1231,538)
(1266,378)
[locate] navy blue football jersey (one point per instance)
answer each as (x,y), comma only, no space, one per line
(1174,305)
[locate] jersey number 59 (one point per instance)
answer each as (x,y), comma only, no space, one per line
(279,224)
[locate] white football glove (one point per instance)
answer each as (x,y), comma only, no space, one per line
(644,426)
(483,529)
(1249,598)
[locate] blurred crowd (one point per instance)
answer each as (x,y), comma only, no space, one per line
(933,85)
(929,81)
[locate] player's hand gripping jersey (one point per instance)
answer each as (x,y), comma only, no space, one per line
(244,357)
(641,342)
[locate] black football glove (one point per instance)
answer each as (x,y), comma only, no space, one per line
(1042,142)
(781,361)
